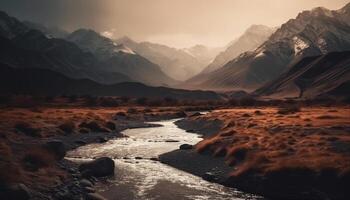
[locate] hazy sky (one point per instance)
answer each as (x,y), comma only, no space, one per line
(178,23)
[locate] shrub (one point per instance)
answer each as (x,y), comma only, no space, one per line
(67,127)
(93,126)
(27,129)
(90,101)
(142,101)
(108,102)
(36,158)
(132,111)
(9,171)
(247,101)
(288,109)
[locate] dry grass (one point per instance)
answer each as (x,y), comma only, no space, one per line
(299,138)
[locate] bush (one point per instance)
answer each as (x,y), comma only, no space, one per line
(36,158)
(132,111)
(67,127)
(27,129)
(288,109)
(90,101)
(9,171)
(108,102)
(142,101)
(247,101)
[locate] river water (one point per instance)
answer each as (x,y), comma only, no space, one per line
(137,177)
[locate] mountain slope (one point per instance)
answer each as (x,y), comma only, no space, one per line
(313,76)
(22,47)
(176,63)
(203,53)
(119,58)
(252,38)
(46,82)
(314,32)
(50,32)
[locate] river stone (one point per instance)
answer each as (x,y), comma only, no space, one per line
(85,183)
(186,146)
(209,177)
(57,147)
(15,192)
(94,196)
(100,167)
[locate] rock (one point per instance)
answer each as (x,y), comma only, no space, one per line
(138,158)
(102,139)
(94,196)
(100,167)
(80,142)
(15,192)
(89,189)
(171,140)
(209,177)
(196,114)
(85,183)
(93,126)
(186,146)
(110,125)
(57,147)
(154,159)
(181,114)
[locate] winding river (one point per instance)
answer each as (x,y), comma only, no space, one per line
(138,176)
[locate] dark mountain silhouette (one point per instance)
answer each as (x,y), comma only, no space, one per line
(22,47)
(312,77)
(46,82)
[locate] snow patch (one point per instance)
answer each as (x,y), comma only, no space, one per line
(299,45)
(322,45)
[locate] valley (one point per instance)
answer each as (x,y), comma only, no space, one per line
(114,100)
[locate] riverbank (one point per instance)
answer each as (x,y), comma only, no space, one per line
(30,167)
(288,153)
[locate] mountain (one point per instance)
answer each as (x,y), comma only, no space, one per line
(311,33)
(252,38)
(203,53)
(311,77)
(46,82)
(22,47)
(177,63)
(49,31)
(119,58)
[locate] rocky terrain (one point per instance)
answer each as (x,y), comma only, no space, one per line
(34,142)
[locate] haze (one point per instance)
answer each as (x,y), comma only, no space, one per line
(180,23)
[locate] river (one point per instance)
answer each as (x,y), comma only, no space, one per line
(137,177)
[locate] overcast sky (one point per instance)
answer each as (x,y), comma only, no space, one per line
(178,23)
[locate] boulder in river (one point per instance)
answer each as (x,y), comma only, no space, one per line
(186,146)
(100,167)
(56,147)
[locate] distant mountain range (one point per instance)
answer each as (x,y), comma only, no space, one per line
(252,38)
(22,47)
(119,58)
(180,64)
(324,75)
(47,82)
(311,33)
